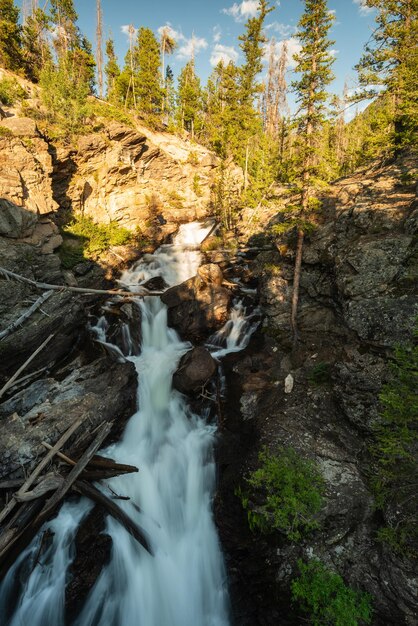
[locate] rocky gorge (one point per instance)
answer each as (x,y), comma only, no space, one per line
(358,300)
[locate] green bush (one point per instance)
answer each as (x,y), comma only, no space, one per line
(320,374)
(394,450)
(11,92)
(97,238)
(285,494)
(328,601)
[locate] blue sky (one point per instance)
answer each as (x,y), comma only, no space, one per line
(212,28)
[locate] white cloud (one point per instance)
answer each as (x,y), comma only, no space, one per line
(217,34)
(247,8)
(293,47)
(174,34)
(223,53)
(191,47)
(125,29)
(363,8)
(283,30)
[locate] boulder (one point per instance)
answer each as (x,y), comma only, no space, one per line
(155,284)
(15,221)
(21,126)
(210,274)
(195,369)
(197,308)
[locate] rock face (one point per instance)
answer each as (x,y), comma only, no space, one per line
(195,369)
(358,299)
(198,307)
(48,407)
(360,267)
(26,169)
(136,177)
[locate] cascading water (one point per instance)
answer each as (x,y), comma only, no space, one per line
(183,583)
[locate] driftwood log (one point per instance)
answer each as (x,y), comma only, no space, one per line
(104,292)
(33,508)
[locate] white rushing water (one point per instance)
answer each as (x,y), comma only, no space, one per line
(184,582)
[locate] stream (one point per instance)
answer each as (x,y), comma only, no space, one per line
(184,582)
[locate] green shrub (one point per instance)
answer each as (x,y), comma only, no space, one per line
(71,252)
(97,238)
(11,92)
(5,132)
(197,188)
(320,374)
(328,601)
(285,494)
(394,450)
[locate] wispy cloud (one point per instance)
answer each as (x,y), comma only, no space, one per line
(125,30)
(283,30)
(247,8)
(217,33)
(191,46)
(293,47)
(223,53)
(363,8)
(188,46)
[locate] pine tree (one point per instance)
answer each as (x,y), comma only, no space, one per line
(64,18)
(147,61)
(391,60)
(314,64)
(10,36)
(35,48)
(112,71)
(189,99)
(170,93)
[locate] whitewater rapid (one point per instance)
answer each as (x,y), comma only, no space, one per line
(183,583)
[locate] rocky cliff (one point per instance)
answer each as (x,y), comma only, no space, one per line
(358,299)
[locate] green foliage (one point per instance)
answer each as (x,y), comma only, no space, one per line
(320,374)
(189,95)
(285,494)
(197,187)
(64,93)
(175,200)
(10,36)
(71,252)
(11,92)
(148,77)
(112,71)
(97,238)
(390,61)
(35,47)
(394,448)
(323,595)
(5,132)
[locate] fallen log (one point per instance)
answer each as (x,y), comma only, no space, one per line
(16,375)
(104,292)
(114,510)
(59,494)
(50,482)
(38,469)
(36,305)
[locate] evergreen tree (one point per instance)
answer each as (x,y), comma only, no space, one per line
(35,48)
(391,60)
(64,19)
(170,93)
(147,62)
(314,64)
(10,36)
(189,99)
(112,71)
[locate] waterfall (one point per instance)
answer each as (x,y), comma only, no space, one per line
(184,582)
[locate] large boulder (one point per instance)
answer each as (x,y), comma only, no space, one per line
(195,369)
(198,307)
(15,221)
